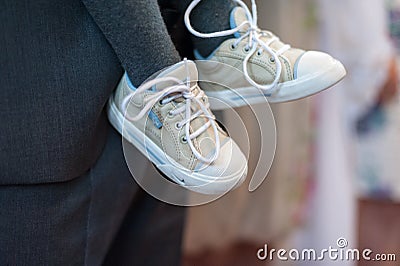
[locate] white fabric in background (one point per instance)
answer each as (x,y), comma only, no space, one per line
(355,32)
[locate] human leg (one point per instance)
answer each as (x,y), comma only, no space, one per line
(128,26)
(138,35)
(270,68)
(67,223)
(209,16)
(151,234)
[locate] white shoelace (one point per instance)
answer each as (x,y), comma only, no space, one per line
(179,89)
(255,42)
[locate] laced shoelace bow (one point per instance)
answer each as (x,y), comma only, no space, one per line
(179,89)
(255,42)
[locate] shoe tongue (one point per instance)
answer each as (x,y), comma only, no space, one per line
(180,71)
(238,16)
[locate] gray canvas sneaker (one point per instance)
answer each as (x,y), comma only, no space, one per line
(255,65)
(168,119)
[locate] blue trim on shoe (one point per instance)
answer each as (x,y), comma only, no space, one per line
(232,21)
(130,85)
(198,56)
(156,121)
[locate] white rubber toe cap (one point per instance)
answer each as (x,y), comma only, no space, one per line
(227,172)
(312,63)
(313,73)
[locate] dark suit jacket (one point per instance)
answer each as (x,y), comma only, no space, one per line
(57,71)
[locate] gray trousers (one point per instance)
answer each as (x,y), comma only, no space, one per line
(101,217)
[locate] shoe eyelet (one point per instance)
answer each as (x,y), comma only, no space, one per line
(184,140)
(178,126)
(246,49)
(233,47)
(272,60)
(259,53)
(160,103)
(170,114)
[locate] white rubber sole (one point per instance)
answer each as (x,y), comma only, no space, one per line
(191,180)
(285,92)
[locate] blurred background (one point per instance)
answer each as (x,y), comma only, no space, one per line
(336,173)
